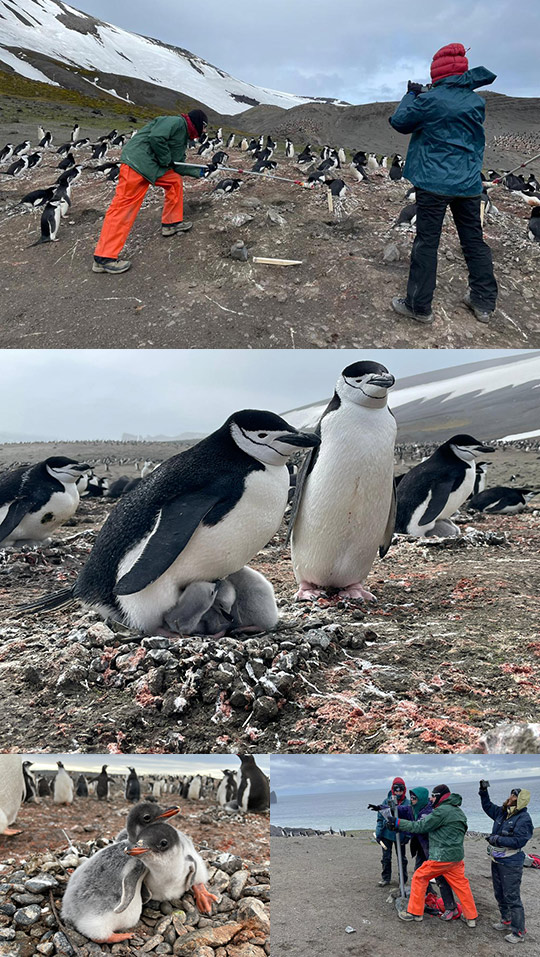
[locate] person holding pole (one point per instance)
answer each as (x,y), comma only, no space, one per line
(446,827)
(386,837)
(154,156)
(444,163)
(512,828)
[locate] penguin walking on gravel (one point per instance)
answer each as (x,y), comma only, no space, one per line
(50,223)
(81,788)
(63,786)
(35,500)
(253,787)
(46,140)
(12,789)
(501,500)
(201,516)
(436,488)
(289,149)
(344,505)
(396,169)
(133,786)
(102,786)
(227,789)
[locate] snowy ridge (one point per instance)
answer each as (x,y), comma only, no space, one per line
(502,397)
(65,34)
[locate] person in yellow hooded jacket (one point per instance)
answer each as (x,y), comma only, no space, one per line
(512,828)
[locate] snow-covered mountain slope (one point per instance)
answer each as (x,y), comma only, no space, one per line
(55,30)
(492,399)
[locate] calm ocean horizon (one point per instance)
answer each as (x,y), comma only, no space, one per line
(347,809)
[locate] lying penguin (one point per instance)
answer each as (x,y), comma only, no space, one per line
(201,516)
(501,500)
(34,500)
(243,602)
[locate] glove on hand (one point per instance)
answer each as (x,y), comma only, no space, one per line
(415,88)
(374,807)
(493,840)
(484,785)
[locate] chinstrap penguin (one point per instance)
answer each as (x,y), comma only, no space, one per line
(501,500)
(35,500)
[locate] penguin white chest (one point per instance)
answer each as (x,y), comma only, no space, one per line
(347,498)
(214,551)
(37,526)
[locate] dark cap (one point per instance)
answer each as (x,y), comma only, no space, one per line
(439,792)
(198,118)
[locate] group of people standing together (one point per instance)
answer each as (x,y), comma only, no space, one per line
(435,825)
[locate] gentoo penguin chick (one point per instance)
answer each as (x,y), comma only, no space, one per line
(200,516)
(82,787)
(501,500)
(102,786)
(253,787)
(227,789)
(63,786)
(133,787)
(11,792)
(174,867)
(439,486)
(103,897)
(34,501)
(141,816)
(344,505)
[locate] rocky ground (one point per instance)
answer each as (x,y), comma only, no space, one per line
(34,876)
(188,291)
(450,650)
(321,886)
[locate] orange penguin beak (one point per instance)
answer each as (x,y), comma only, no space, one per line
(169,812)
(137,850)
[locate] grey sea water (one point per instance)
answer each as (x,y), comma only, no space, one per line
(347,810)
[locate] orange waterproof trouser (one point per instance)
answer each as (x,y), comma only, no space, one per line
(455,875)
(122,212)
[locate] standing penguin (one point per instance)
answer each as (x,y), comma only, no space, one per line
(11,792)
(63,786)
(227,789)
(30,786)
(133,787)
(253,787)
(201,516)
(176,869)
(436,488)
(480,477)
(102,788)
(194,791)
(50,223)
(103,897)
(344,506)
(35,500)
(82,787)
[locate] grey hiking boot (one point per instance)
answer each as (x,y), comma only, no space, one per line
(501,925)
(404,915)
(111,265)
(384,883)
(449,914)
(470,921)
(515,938)
(171,229)
(400,306)
(479,314)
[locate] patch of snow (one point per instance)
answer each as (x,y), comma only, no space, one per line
(520,435)
(149,61)
(23,68)
(94,83)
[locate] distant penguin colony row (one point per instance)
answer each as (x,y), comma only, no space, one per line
(320,167)
(172,557)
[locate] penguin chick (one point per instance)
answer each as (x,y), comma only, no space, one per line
(174,867)
(142,816)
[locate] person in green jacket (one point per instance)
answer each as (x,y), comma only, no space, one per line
(446,827)
(444,163)
(154,156)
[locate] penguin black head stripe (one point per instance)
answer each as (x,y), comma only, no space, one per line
(363,382)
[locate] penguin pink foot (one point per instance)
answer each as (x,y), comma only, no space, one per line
(203,898)
(115,938)
(356,590)
(10,832)
(308,592)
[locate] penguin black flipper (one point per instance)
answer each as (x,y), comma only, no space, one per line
(16,512)
(390,525)
(177,522)
(307,466)
(441,493)
(130,879)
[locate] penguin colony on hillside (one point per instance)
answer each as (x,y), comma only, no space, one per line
(321,167)
(172,557)
(245,789)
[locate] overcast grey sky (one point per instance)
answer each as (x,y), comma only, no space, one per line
(324,774)
(211,764)
(100,394)
(354,50)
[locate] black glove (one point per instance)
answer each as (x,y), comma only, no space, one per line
(484,785)
(493,840)
(415,88)
(374,807)
(392,823)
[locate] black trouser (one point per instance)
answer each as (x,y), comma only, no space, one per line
(447,893)
(387,861)
(506,887)
(431,209)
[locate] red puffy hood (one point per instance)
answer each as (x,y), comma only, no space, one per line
(449,61)
(401,796)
